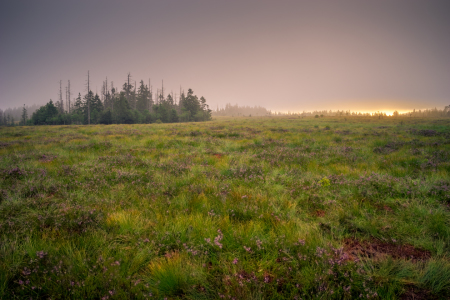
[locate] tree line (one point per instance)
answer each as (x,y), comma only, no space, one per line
(236,110)
(13,116)
(131,105)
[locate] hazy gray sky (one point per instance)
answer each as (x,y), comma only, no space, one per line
(284,55)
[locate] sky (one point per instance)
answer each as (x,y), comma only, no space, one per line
(359,55)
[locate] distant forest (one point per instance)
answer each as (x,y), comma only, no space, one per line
(16,113)
(248,111)
(423,113)
(140,105)
(236,110)
(133,104)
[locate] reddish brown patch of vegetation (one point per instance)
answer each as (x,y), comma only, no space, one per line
(387,208)
(319,213)
(377,249)
(218,155)
(268,278)
(199,288)
(171,254)
(47,158)
(415,293)
(384,207)
(243,275)
(227,280)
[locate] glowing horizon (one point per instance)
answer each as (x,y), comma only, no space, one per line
(387,112)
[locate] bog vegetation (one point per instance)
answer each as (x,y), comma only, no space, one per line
(236,208)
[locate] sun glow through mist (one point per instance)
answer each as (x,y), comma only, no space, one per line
(387,112)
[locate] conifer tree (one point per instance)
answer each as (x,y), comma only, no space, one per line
(87,106)
(143,97)
(78,103)
(122,111)
(24,116)
(191,105)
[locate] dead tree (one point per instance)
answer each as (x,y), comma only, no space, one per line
(67,101)
(134,96)
(113,94)
(128,88)
(68,94)
(61,103)
(89,99)
(149,95)
(106,101)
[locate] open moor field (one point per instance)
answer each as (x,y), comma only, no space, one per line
(235,208)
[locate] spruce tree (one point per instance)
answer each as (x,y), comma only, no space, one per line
(143,97)
(122,111)
(24,116)
(192,105)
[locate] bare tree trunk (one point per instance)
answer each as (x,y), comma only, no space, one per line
(113,95)
(61,103)
(68,95)
(89,101)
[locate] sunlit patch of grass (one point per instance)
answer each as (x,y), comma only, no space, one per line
(174,275)
(128,221)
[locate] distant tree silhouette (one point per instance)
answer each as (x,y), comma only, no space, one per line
(24,116)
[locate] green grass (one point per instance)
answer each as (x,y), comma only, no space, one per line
(236,208)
